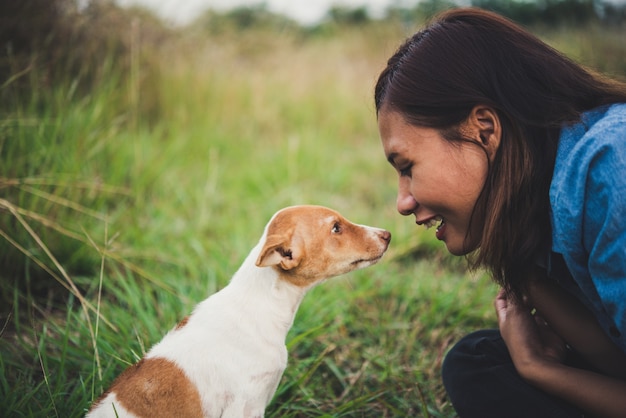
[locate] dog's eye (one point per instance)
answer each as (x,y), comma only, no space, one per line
(336,228)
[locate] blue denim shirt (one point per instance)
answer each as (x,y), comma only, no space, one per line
(588,201)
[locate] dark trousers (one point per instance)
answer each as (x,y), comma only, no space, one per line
(481,381)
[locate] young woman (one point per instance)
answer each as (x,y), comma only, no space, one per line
(519,155)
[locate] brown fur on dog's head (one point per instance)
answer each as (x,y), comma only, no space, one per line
(312,243)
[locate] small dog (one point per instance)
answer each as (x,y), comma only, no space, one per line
(226,359)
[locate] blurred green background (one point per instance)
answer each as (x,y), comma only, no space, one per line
(140,162)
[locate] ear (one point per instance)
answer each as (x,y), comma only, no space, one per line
(280,250)
(484,125)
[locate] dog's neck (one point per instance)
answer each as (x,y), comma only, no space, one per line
(262,290)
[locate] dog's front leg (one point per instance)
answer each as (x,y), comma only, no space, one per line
(243,410)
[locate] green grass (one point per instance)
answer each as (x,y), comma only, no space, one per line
(143,196)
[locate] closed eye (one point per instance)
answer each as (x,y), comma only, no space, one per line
(403,167)
(336,228)
(405,171)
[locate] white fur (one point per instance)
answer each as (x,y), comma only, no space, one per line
(110,407)
(232,348)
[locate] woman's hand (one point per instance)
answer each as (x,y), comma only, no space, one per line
(538,352)
(530,340)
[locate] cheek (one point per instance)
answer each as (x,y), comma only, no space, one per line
(426,184)
(466,179)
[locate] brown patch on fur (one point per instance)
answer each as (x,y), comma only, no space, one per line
(309,243)
(182,323)
(156,388)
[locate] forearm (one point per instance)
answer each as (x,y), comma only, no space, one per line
(597,394)
(573,322)
(539,353)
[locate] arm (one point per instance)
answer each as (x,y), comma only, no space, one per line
(588,202)
(538,354)
(571,320)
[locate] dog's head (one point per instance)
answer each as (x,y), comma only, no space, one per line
(308,244)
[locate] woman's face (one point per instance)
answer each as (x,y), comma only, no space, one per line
(438,181)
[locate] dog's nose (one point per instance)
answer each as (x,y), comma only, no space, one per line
(385,235)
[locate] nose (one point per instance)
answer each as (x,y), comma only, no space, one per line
(385,235)
(405,202)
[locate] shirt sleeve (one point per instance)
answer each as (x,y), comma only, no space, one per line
(604,224)
(588,202)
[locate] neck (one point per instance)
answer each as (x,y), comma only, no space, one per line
(270,299)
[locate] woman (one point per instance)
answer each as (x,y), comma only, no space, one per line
(519,155)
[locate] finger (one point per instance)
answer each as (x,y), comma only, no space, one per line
(501,302)
(554,345)
(501,298)
(540,321)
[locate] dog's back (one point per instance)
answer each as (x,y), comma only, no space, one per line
(226,359)
(217,360)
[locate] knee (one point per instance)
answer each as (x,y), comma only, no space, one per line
(467,369)
(481,381)
(472,352)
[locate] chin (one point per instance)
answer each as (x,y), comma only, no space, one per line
(458,249)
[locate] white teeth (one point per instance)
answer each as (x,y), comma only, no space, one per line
(432,222)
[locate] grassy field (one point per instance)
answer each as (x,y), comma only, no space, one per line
(124,206)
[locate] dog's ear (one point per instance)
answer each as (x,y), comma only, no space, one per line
(280,250)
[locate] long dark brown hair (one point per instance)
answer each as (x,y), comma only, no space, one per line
(466,57)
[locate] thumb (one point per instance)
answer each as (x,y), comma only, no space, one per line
(501,303)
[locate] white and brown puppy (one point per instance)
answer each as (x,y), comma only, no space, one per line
(226,359)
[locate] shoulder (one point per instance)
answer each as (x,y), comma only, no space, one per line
(607,117)
(606,128)
(597,129)
(589,176)
(596,143)
(588,209)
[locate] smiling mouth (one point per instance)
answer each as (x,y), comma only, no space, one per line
(438,221)
(429,223)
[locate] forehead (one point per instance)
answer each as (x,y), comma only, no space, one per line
(400,138)
(304,215)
